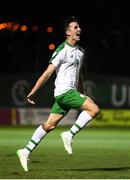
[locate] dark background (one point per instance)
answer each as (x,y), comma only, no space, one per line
(105,36)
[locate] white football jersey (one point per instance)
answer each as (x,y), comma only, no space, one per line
(67,60)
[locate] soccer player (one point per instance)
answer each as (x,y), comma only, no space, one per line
(67,61)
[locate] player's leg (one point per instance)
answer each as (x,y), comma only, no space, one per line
(57,113)
(36,138)
(90,109)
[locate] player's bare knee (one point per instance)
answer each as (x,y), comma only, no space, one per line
(95,110)
(48,126)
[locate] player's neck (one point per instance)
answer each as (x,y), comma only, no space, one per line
(71,41)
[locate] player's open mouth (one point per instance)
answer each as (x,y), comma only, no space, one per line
(78,33)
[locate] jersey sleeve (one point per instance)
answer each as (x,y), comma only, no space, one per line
(55,59)
(57,56)
(83,57)
(83,54)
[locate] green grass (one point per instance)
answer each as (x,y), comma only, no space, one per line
(99,153)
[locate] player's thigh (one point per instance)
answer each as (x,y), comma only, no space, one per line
(54,118)
(89,104)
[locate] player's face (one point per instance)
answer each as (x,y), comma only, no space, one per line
(74,31)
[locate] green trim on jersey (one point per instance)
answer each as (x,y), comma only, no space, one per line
(68,100)
(57,51)
(69,44)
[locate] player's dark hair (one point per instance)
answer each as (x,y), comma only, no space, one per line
(68,21)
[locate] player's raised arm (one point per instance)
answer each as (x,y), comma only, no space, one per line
(42,79)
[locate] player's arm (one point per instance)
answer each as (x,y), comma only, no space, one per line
(42,79)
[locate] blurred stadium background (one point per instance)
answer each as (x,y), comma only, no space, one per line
(27,39)
(27,43)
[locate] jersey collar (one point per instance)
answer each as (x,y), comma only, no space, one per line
(69,44)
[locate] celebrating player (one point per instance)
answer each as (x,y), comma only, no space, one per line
(67,61)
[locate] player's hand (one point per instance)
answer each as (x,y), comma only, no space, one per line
(30,98)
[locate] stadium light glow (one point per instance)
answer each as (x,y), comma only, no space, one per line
(49,29)
(51,46)
(24,28)
(3,26)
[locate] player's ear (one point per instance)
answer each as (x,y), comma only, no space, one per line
(67,32)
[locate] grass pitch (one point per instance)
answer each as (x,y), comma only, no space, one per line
(99,153)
